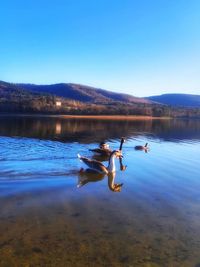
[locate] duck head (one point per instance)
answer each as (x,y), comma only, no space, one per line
(117,154)
(103,145)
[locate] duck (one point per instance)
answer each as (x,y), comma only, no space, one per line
(104,149)
(145,147)
(98,166)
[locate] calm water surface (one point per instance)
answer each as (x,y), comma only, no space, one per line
(47,220)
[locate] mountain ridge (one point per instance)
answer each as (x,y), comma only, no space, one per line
(83,93)
(89,94)
(79,99)
(177,99)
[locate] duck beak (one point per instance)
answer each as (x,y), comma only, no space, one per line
(118,154)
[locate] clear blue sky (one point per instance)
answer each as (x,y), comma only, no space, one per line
(140,47)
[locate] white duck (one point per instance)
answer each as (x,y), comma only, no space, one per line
(98,166)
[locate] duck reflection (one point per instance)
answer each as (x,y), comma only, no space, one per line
(111,183)
(87,176)
(122,166)
(91,175)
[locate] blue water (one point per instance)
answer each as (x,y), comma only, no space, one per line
(156,216)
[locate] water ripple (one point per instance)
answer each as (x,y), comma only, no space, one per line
(24,157)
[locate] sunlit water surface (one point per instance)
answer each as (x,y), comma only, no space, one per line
(47,220)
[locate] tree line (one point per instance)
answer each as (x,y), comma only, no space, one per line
(47,104)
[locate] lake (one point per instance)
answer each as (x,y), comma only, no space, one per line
(51,215)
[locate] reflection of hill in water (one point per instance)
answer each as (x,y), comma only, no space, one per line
(178,130)
(85,131)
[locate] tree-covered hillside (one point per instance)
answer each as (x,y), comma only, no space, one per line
(14,98)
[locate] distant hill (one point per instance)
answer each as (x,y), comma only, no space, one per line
(13,98)
(11,91)
(184,100)
(83,93)
(67,98)
(72,98)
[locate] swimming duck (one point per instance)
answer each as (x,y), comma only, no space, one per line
(104,149)
(98,166)
(145,147)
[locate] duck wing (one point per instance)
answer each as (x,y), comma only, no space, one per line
(103,152)
(94,164)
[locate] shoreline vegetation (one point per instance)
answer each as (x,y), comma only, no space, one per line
(81,101)
(98,117)
(134,111)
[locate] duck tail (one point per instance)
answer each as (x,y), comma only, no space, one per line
(79,156)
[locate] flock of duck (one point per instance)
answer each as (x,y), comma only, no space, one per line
(97,170)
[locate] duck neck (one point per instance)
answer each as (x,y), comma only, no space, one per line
(111,165)
(121,144)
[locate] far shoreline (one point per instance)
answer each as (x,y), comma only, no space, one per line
(113,117)
(98,117)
